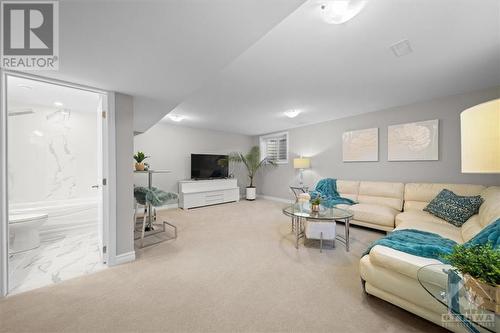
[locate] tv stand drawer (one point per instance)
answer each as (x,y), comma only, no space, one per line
(190,197)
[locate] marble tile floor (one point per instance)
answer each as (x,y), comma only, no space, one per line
(59,257)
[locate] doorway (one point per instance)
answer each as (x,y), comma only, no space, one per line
(57,198)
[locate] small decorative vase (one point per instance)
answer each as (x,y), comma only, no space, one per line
(315,208)
(484,295)
(140,166)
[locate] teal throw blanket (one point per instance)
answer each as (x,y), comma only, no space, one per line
(326,190)
(416,242)
(490,234)
(430,245)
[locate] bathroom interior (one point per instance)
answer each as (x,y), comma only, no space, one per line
(54,197)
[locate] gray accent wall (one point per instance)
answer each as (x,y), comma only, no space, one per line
(170,147)
(124,129)
(323,143)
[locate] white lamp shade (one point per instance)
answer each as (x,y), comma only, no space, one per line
(480,128)
(301,163)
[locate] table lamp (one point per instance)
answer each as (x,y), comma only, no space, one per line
(301,163)
(480,129)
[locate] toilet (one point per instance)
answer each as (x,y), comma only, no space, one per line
(24,231)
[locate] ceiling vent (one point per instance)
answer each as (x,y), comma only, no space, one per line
(401,48)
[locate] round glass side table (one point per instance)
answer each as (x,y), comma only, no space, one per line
(447,287)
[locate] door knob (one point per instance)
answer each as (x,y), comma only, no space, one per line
(95,186)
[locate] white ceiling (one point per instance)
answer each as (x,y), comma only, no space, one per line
(158,51)
(24,94)
(333,71)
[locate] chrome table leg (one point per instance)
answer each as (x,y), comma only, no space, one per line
(347,234)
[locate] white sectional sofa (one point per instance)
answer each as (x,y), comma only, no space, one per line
(378,203)
(392,275)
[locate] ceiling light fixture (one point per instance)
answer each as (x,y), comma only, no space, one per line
(341,11)
(58,104)
(292,113)
(176,117)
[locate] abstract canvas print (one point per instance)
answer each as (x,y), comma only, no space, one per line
(417,141)
(360,145)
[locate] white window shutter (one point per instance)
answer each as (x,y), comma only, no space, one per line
(275,147)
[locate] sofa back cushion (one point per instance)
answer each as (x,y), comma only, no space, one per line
(490,209)
(382,193)
(418,195)
(471,228)
(348,189)
(488,213)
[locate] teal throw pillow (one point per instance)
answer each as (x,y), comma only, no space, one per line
(453,208)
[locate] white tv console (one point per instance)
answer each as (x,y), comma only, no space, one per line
(198,193)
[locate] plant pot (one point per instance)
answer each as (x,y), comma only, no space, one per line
(484,295)
(315,208)
(140,166)
(251,193)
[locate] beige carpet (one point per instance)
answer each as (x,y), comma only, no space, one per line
(234,268)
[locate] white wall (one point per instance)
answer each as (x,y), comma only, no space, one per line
(124,141)
(52,155)
(323,143)
(170,147)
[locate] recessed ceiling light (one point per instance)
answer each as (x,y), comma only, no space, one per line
(292,113)
(25,86)
(38,133)
(341,11)
(176,117)
(58,104)
(401,48)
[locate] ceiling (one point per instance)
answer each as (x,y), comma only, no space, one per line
(237,65)
(333,71)
(30,94)
(158,51)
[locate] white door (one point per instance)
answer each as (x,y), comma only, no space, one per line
(101,184)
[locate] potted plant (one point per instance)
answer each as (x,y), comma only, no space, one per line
(253,163)
(315,204)
(139,161)
(480,268)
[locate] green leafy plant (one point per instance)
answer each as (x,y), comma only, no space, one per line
(482,262)
(140,157)
(316,201)
(252,162)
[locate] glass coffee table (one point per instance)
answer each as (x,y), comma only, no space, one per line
(301,212)
(447,287)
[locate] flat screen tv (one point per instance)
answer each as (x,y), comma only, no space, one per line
(206,166)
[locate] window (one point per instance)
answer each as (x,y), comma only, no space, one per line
(275,147)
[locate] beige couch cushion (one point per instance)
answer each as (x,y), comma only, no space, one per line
(398,261)
(418,195)
(372,213)
(490,209)
(382,193)
(417,215)
(348,189)
(471,228)
(426,222)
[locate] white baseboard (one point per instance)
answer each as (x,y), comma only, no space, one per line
(123,258)
(267,197)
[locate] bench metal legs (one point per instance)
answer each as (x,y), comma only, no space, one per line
(152,232)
